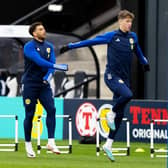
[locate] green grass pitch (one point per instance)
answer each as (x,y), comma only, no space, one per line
(83,156)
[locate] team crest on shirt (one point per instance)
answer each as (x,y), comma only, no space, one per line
(131,40)
(48,51)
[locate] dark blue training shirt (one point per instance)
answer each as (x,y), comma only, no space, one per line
(119,52)
(39,58)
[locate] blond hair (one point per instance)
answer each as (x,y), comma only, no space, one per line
(125,13)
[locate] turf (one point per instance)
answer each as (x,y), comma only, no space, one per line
(83,156)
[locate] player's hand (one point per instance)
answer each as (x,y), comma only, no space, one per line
(61,67)
(64,49)
(146,67)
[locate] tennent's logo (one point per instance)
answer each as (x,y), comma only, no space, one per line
(86,117)
(143,115)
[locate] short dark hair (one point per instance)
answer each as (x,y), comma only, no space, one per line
(125,13)
(33,26)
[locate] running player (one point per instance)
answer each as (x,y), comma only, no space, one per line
(121,45)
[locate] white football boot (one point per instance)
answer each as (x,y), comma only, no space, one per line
(29,150)
(108,152)
(53,148)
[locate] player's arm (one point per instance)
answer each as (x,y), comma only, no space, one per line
(33,55)
(50,71)
(140,55)
(100,39)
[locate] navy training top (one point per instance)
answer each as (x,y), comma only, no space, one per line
(39,59)
(119,51)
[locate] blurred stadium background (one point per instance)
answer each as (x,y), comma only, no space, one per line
(75,20)
(86,18)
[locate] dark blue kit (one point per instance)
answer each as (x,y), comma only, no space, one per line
(120,49)
(39,59)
